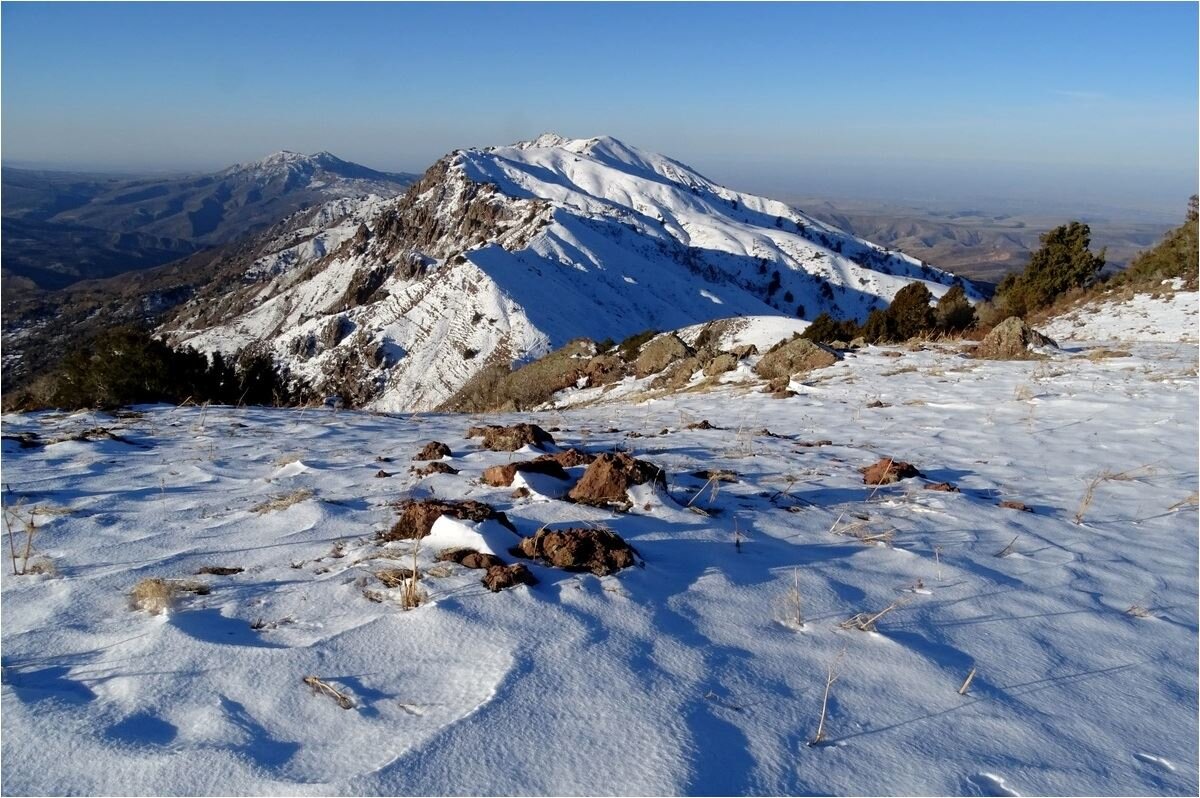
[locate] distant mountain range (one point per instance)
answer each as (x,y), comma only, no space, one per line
(62,227)
(977,244)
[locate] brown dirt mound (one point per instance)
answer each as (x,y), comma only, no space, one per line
(434,450)
(469,558)
(436,467)
(887,471)
(568,458)
(417,517)
(609,477)
(501,476)
(600,551)
(499,577)
(510,438)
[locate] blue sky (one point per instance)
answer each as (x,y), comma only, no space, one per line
(1095,101)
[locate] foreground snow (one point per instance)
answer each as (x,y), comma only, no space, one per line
(685,676)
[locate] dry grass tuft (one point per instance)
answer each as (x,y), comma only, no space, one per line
(154,595)
(864,533)
(1108,476)
(282,502)
(1190,501)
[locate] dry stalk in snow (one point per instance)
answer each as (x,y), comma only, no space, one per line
(966,685)
(792,605)
(410,593)
(830,677)
(322,687)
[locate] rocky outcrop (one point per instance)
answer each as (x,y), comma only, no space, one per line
(796,356)
(660,353)
(1011,339)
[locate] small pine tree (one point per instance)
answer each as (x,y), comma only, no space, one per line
(954,311)
(1063,262)
(910,313)
(879,328)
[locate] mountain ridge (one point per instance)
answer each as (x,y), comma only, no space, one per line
(500,254)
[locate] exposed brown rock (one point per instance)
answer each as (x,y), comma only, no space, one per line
(600,551)
(1015,505)
(726,361)
(381,474)
(660,353)
(796,356)
(944,487)
(705,424)
(499,577)
(512,437)
(1010,340)
(887,471)
(499,476)
(676,375)
(604,369)
(417,517)
(609,477)
(434,450)
(744,351)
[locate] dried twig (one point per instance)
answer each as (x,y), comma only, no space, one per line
(865,621)
(1009,549)
(319,686)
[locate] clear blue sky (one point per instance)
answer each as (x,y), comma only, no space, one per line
(1097,101)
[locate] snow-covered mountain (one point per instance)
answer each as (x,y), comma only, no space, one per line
(501,254)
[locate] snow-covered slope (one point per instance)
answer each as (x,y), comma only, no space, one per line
(500,255)
(687,676)
(1171,316)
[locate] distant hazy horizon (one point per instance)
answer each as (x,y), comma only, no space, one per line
(1050,105)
